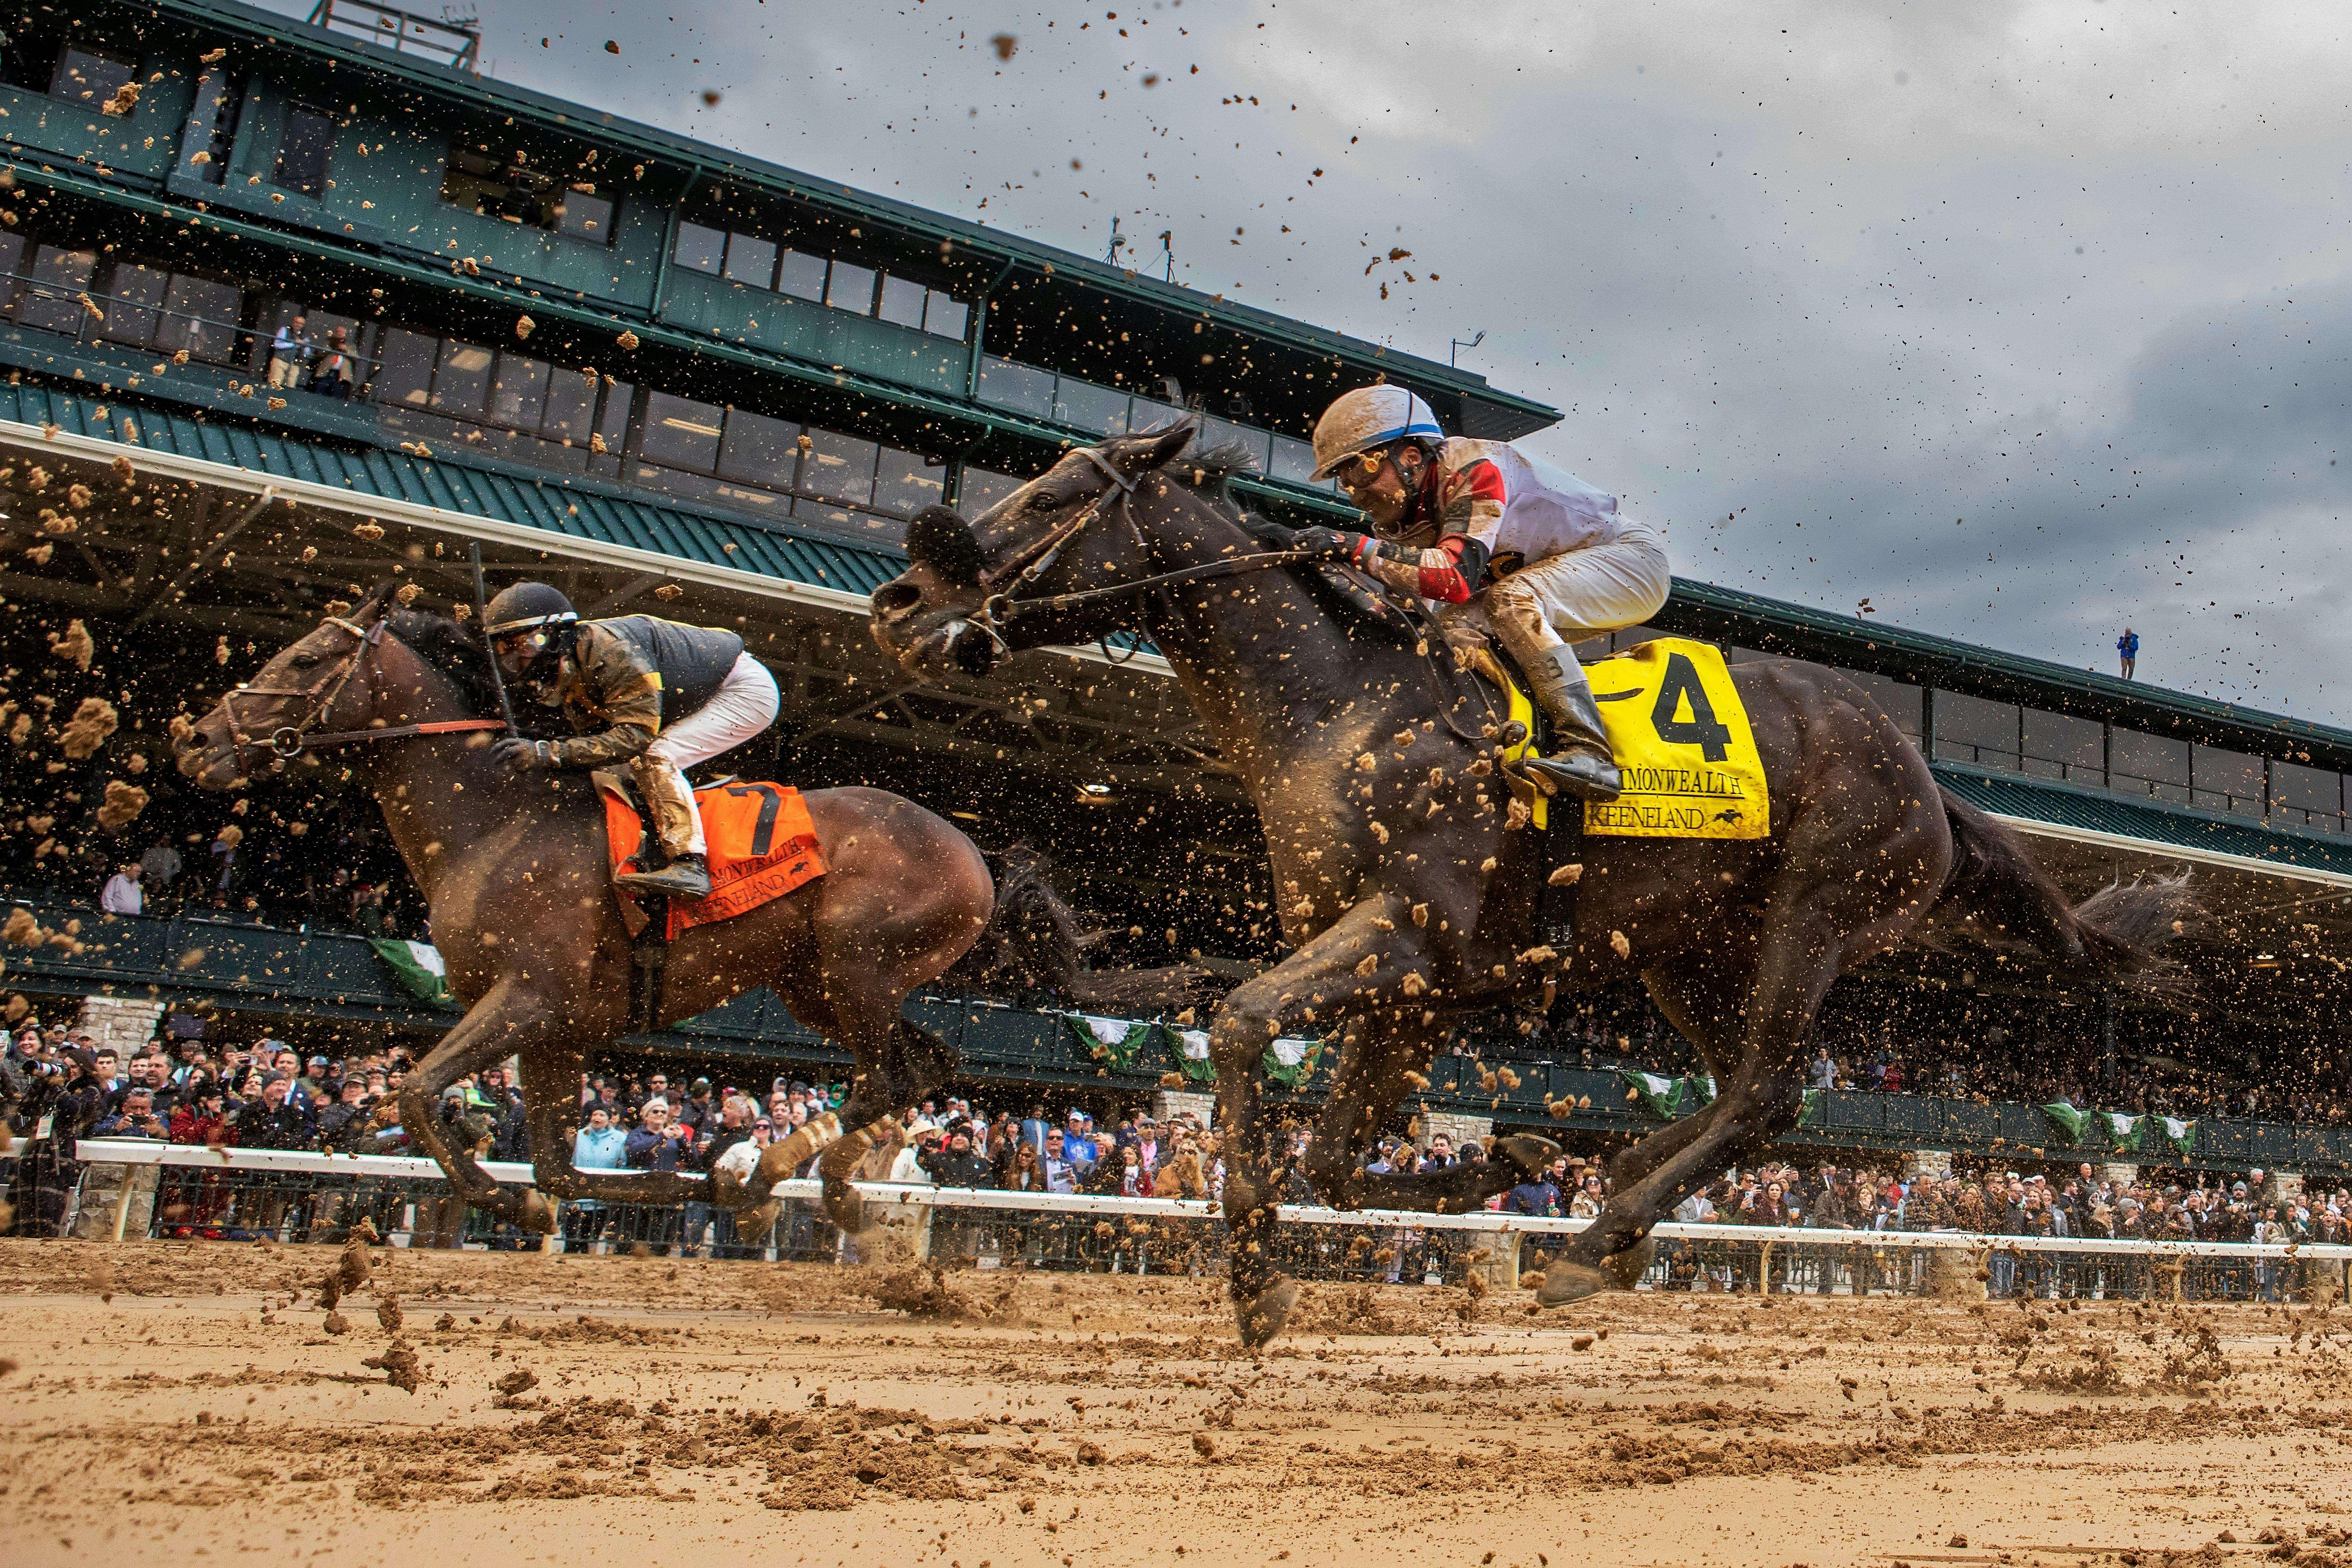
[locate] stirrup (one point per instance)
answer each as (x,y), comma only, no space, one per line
(688,876)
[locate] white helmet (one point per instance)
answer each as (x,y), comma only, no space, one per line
(1367,419)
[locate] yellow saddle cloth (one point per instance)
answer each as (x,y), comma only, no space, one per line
(1682,739)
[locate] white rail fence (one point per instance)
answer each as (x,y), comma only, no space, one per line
(143,1188)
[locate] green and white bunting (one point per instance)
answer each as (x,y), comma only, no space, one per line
(1116,1043)
(1661,1097)
(1291,1062)
(2181,1135)
(2124,1133)
(418,967)
(1192,1056)
(1812,1103)
(2068,1120)
(1697,1092)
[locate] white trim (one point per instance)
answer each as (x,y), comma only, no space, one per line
(476,526)
(2035,827)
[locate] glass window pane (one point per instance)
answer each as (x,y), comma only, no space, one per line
(2154,765)
(1083,406)
(2226,781)
(1024,388)
(681,433)
(201,317)
(2307,789)
(945,315)
(1970,730)
(571,405)
(902,302)
(1898,700)
(303,151)
(89,78)
(801,276)
(758,450)
(615,425)
(699,249)
(462,379)
(851,289)
(2059,746)
(1225,433)
(838,467)
(61,275)
(406,373)
(1148,415)
(130,313)
(981,489)
(905,484)
(586,216)
(519,392)
(1293,460)
(12,255)
(751,259)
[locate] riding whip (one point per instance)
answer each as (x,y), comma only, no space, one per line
(482,619)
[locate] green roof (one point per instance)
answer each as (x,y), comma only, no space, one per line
(2177,826)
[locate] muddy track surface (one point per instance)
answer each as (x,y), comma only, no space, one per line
(207,1400)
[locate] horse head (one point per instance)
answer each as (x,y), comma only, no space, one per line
(979,592)
(307,686)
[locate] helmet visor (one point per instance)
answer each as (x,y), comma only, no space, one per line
(517,650)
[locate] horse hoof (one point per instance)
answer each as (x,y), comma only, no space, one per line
(535,1214)
(759,1221)
(843,1207)
(1261,1319)
(1628,1267)
(1530,1153)
(1565,1282)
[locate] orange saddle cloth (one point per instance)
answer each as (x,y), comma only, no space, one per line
(762,845)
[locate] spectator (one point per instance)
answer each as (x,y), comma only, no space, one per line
(959,1165)
(201,1117)
(120,895)
(160,868)
(658,1144)
(277,1121)
(1536,1198)
(2127,650)
(344,1127)
(1024,1171)
(1062,1174)
(599,1146)
(1082,1150)
(136,1119)
(290,351)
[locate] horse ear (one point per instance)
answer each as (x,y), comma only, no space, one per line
(378,602)
(1147,452)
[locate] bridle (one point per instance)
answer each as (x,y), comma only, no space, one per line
(290,740)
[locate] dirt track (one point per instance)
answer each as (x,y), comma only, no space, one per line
(169,1400)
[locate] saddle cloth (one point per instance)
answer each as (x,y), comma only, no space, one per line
(761,845)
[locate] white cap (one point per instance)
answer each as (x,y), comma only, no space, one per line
(1367,418)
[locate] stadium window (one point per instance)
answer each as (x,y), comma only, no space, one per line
(2307,797)
(1898,700)
(760,450)
(614,425)
(1293,460)
(681,433)
(136,292)
(699,249)
(1024,388)
(302,150)
(945,316)
(2225,781)
(492,186)
(585,215)
(571,405)
(902,302)
(462,379)
(519,392)
(85,76)
(61,274)
(2059,746)
(1972,730)
(2156,766)
(980,489)
(801,276)
(903,483)
(850,288)
(751,259)
(406,372)
(838,467)
(201,316)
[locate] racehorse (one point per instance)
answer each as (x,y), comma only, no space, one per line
(517,874)
(1408,887)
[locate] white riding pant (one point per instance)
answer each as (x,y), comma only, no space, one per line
(745,705)
(1574,594)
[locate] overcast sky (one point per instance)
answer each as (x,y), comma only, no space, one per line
(2014,321)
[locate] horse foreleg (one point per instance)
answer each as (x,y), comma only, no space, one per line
(504,1021)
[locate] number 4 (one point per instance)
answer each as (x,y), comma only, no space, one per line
(1702,728)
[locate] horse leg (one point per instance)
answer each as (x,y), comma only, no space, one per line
(914,1062)
(1797,958)
(504,1021)
(550,1108)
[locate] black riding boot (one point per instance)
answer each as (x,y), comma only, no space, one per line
(1582,765)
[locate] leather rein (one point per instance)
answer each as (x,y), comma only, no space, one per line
(290,740)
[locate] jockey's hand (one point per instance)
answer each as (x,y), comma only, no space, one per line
(517,755)
(1336,543)
(1268,532)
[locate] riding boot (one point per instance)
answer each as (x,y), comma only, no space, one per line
(1582,765)
(683,871)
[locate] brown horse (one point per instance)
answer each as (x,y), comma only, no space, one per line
(516,873)
(1407,896)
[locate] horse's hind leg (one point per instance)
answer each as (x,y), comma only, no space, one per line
(912,1063)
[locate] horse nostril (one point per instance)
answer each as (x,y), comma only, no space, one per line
(896,598)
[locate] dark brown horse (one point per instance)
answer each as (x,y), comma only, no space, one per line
(1407,897)
(516,873)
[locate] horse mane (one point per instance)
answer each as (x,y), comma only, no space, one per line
(1208,472)
(452,647)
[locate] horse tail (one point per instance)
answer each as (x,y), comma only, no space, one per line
(2119,931)
(1035,942)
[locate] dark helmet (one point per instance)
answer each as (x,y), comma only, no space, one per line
(532,607)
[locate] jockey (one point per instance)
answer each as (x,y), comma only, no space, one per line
(1500,540)
(656,694)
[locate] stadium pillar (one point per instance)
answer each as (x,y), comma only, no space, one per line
(1458,1131)
(1167,1102)
(1933,1164)
(2116,1172)
(120,1024)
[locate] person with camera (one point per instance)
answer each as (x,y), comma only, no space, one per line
(59,1101)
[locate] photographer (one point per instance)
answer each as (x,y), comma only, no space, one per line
(136,1119)
(57,1103)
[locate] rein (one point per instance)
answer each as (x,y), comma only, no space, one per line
(290,740)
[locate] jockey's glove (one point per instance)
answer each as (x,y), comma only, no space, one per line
(1338,543)
(518,756)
